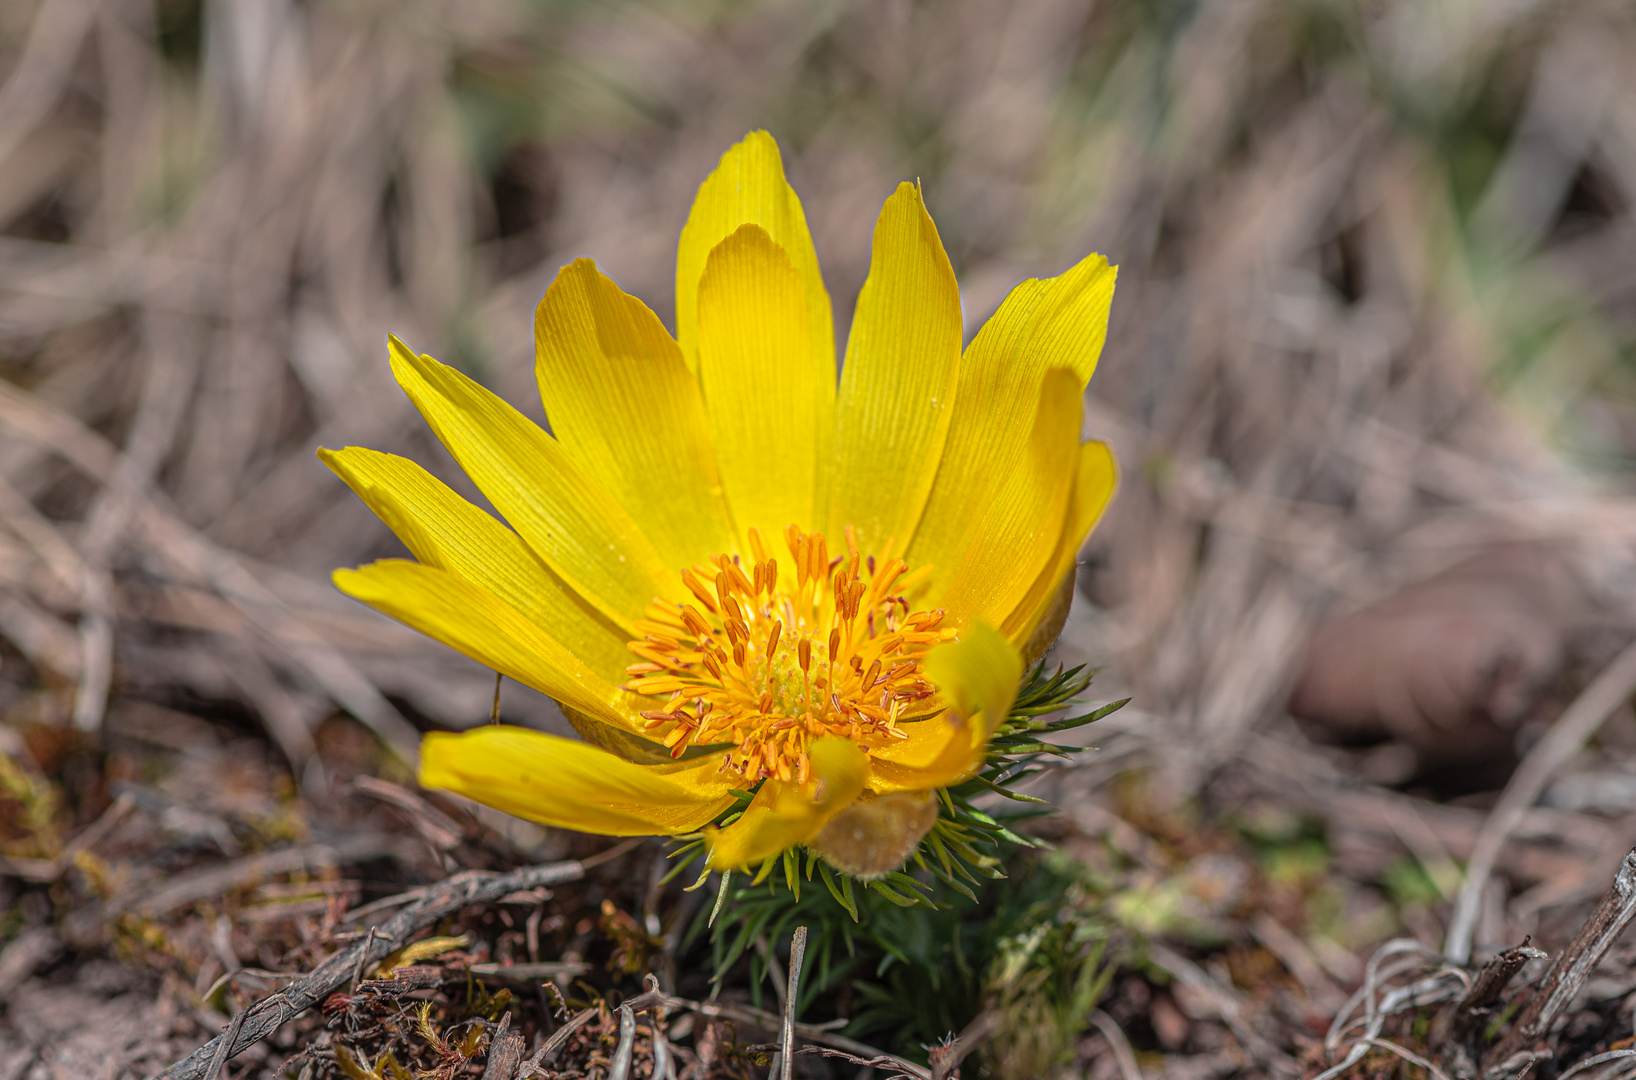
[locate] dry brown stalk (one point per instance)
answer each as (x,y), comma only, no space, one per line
(1522,1045)
(1457,1031)
(505,1053)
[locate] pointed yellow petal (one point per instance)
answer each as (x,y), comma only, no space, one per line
(978,676)
(570,785)
(748,187)
(770,407)
(1096,477)
(625,408)
(446,531)
(1021,530)
(474,621)
(1059,322)
(785,814)
(567,518)
(898,382)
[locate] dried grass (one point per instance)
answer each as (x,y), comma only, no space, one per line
(1375,315)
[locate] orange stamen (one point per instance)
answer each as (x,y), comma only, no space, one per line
(739,668)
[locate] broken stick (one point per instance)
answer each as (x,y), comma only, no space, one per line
(1523,1045)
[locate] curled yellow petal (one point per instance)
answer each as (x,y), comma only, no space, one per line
(571,785)
(784,814)
(1096,478)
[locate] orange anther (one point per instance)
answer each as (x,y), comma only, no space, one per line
(696,587)
(695,622)
(700,659)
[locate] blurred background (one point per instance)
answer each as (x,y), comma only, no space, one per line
(1371,374)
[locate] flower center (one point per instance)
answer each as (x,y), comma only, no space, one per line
(771,665)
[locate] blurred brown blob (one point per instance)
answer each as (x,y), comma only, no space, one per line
(1450,666)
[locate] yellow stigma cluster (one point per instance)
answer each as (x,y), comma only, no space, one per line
(768,665)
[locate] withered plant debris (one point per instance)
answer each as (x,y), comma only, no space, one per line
(1374,322)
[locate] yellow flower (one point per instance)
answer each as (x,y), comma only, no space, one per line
(730,570)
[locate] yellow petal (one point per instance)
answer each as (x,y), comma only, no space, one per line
(898,382)
(474,621)
(623,405)
(570,785)
(1059,322)
(748,187)
(771,407)
(446,531)
(1021,531)
(978,677)
(1096,477)
(784,814)
(569,520)
(1048,622)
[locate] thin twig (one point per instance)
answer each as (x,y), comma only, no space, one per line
(548,1050)
(817,1033)
(1396,957)
(620,1068)
(786,1038)
(1410,1056)
(946,1059)
(892,1066)
(663,1067)
(1123,1055)
(533,972)
(408,896)
(213,881)
(363,955)
(1596,1059)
